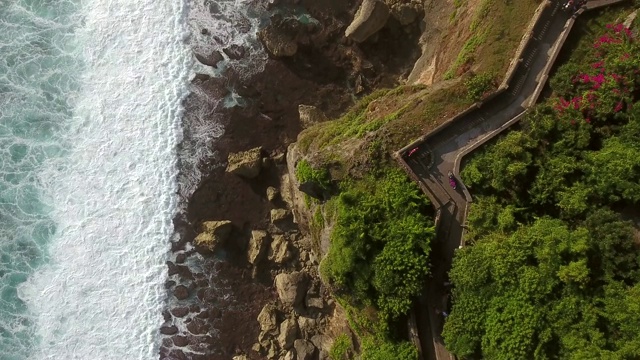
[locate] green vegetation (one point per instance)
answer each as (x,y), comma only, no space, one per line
(380,242)
(478,85)
(340,348)
(306,173)
(553,270)
(495,31)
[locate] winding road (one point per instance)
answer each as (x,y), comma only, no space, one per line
(442,150)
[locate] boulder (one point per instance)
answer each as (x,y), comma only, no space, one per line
(279,252)
(280,216)
(279,37)
(273,350)
(307,326)
(322,342)
(181,292)
(234,52)
(304,349)
(240,357)
(371,16)
(214,234)
(267,318)
(310,115)
(291,287)
(256,246)
(245,163)
(404,13)
(315,302)
(180,341)
(288,333)
(210,60)
(272,193)
(290,355)
(168,330)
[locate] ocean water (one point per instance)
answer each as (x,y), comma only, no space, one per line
(90,122)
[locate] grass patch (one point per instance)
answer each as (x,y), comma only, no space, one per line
(497,29)
(341,348)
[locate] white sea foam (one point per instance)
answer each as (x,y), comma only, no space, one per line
(114,194)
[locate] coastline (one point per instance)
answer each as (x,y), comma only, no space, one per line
(216,305)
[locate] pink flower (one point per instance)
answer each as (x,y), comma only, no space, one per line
(587,120)
(597,65)
(618,106)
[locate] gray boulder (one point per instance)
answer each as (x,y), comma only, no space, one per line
(280,216)
(245,163)
(291,287)
(369,19)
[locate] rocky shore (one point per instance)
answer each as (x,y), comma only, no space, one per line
(244,283)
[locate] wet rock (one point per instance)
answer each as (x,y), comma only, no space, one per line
(181,258)
(272,193)
(304,349)
(288,333)
(310,115)
(291,287)
(279,251)
(214,234)
(267,318)
(169,284)
(280,216)
(181,292)
(197,327)
(180,341)
(180,312)
(370,18)
(245,163)
(211,59)
(279,38)
(235,52)
(168,330)
(257,246)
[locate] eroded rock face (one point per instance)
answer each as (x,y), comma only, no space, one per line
(291,287)
(181,292)
(304,349)
(267,319)
(370,18)
(214,234)
(279,251)
(257,246)
(245,163)
(310,115)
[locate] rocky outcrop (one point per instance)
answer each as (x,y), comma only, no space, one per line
(279,37)
(304,349)
(257,246)
(272,193)
(267,319)
(279,252)
(310,115)
(214,234)
(245,163)
(370,18)
(280,216)
(211,60)
(288,333)
(291,287)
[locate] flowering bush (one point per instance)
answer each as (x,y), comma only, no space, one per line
(606,87)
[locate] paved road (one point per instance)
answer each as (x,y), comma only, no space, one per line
(437,156)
